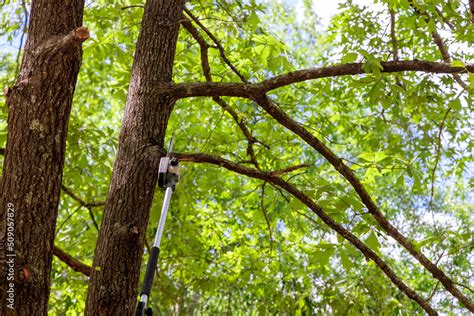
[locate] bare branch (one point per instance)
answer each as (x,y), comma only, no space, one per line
(72,262)
(271,178)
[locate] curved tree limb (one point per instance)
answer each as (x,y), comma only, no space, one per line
(356,242)
(349,175)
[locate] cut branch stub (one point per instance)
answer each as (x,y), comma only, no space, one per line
(81,33)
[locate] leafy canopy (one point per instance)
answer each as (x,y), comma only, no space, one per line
(238,244)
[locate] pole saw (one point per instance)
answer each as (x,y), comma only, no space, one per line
(168,178)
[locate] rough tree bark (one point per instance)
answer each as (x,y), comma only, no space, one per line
(116,268)
(38,112)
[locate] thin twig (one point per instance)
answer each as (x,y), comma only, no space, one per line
(204,46)
(132,6)
(20,46)
(72,262)
(206,141)
(393,35)
(93,218)
(67,218)
(464,286)
(445,20)
(217,43)
(264,211)
(439,42)
(433,172)
(87,205)
(69,192)
(289,169)
(433,292)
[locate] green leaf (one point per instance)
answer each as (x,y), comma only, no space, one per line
(373,156)
(253,20)
(373,242)
(365,53)
(427,241)
(349,58)
(457,63)
(345,260)
(323,256)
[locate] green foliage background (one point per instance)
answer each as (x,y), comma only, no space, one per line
(218,254)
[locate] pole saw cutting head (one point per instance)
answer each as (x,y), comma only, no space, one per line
(168,172)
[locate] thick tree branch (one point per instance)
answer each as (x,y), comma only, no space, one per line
(72,262)
(271,178)
(349,175)
(185,90)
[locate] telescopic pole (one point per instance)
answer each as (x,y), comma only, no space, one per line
(168,177)
(153,258)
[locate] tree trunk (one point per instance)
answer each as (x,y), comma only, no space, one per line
(38,112)
(116,268)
